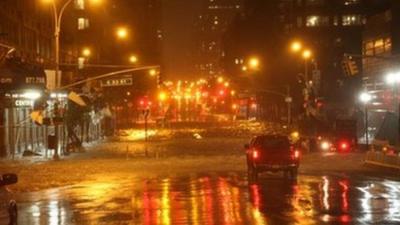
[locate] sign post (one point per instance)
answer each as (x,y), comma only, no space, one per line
(146,113)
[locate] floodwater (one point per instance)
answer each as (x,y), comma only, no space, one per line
(219,198)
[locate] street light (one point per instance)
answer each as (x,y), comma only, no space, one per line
(296,46)
(86,52)
(307,54)
(152,72)
(254,63)
(162,96)
(122,33)
(365,98)
(393,78)
(133,59)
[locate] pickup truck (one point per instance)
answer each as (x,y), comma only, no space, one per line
(272,153)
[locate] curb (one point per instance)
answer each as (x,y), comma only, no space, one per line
(381,164)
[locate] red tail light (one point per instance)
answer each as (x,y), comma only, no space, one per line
(296,154)
(344,145)
(256,154)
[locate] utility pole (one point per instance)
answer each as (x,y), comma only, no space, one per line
(289,100)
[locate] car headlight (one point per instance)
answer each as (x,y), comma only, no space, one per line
(325,145)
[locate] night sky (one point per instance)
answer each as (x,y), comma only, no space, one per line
(178,26)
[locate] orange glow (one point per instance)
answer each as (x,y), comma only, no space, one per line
(296,46)
(122,33)
(256,154)
(254,63)
(307,54)
(152,72)
(86,52)
(133,59)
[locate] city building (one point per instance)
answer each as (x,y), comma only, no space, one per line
(381,72)
(26,28)
(26,49)
(215,17)
(329,29)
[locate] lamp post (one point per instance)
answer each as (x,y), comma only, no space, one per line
(365,98)
(58,16)
(306,56)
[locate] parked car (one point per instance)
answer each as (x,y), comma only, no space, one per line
(8,206)
(272,153)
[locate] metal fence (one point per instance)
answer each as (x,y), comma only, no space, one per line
(21,135)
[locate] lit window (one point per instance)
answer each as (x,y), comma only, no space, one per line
(80,4)
(336,20)
(369,48)
(314,2)
(379,46)
(353,20)
(388,44)
(351,2)
(313,21)
(83,23)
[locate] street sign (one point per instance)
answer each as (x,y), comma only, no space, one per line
(288,99)
(146,112)
(118,81)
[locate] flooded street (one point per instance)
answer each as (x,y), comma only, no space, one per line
(223,198)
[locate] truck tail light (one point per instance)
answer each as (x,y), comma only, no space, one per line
(255,154)
(297,154)
(344,145)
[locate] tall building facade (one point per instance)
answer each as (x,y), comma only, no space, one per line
(215,17)
(381,68)
(26,27)
(330,29)
(26,48)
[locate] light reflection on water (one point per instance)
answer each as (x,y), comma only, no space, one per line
(225,200)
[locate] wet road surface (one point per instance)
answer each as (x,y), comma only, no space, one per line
(217,198)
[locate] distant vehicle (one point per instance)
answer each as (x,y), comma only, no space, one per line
(272,153)
(341,145)
(8,206)
(343,139)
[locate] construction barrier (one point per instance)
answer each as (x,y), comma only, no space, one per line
(382,159)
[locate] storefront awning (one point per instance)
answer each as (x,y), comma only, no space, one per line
(16,75)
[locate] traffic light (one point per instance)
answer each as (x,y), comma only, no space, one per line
(319,103)
(350,67)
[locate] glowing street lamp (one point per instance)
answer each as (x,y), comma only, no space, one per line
(162,96)
(254,63)
(393,78)
(153,72)
(122,33)
(307,54)
(220,80)
(296,46)
(86,52)
(133,59)
(96,2)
